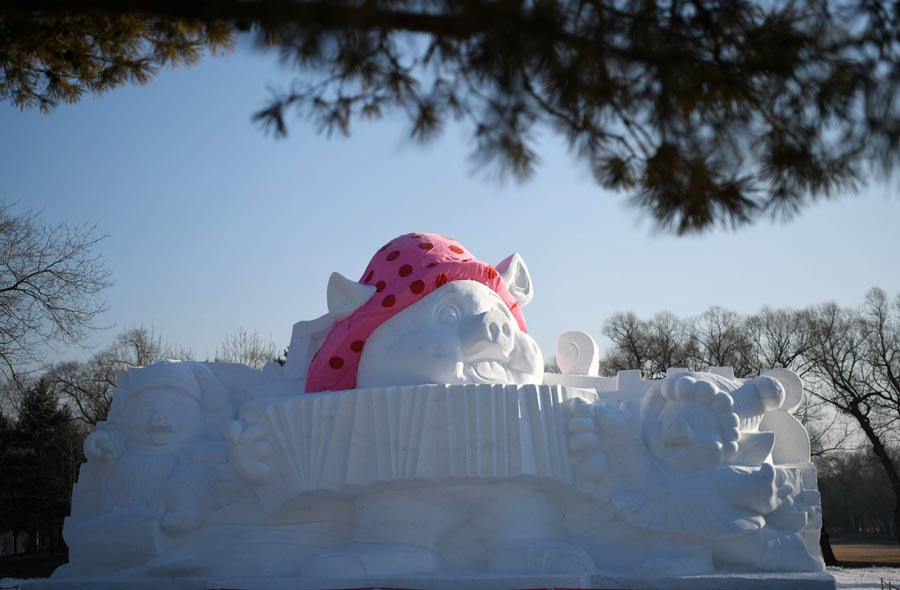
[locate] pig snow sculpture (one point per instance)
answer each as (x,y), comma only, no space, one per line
(426,311)
(412,435)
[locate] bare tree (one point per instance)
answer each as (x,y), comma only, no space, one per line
(778,338)
(719,337)
(631,344)
(783,338)
(50,281)
(830,432)
(89,386)
(651,345)
(722,341)
(856,366)
(673,343)
(249,348)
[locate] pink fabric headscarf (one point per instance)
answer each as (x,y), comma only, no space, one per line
(403,271)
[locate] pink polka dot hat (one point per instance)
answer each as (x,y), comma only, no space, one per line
(403,271)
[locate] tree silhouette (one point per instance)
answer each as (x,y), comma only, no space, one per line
(708,112)
(40,461)
(48,59)
(50,283)
(249,348)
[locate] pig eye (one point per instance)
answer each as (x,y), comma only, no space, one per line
(447,314)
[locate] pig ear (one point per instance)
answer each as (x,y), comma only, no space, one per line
(518,281)
(346,296)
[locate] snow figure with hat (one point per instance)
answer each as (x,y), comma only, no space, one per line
(425,311)
(141,489)
(695,468)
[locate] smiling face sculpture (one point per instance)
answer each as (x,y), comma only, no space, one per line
(688,423)
(426,311)
(163,417)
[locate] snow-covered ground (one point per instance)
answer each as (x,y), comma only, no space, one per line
(847,578)
(865,577)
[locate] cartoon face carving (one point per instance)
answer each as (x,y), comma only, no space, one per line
(460,333)
(685,435)
(163,416)
(689,423)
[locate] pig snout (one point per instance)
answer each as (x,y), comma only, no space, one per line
(491,333)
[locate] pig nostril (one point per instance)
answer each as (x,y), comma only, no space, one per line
(494,330)
(506,330)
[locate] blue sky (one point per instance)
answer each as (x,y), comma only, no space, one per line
(213,225)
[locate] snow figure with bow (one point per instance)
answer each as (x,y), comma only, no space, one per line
(692,466)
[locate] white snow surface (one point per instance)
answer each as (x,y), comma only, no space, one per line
(851,578)
(848,578)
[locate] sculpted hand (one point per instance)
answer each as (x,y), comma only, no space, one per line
(775,490)
(582,428)
(786,486)
(104,446)
(183,511)
(591,462)
(249,450)
(622,422)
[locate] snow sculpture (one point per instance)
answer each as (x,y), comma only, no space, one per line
(691,464)
(412,439)
(148,488)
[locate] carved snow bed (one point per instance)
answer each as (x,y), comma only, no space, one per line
(357,440)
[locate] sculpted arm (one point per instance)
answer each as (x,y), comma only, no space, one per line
(104,446)
(760,490)
(187,498)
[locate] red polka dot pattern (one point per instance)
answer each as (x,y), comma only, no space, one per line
(408,268)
